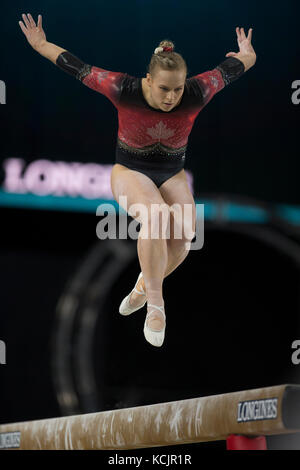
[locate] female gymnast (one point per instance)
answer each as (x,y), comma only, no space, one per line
(156,115)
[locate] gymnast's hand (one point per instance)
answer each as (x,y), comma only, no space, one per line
(244,43)
(35,34)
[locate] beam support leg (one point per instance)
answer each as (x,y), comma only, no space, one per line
(236,442)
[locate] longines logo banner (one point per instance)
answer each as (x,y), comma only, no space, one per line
(256,410)
(45,177)
(2,92)
(9,440)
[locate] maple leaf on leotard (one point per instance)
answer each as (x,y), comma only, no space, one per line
(101,76)
(160,131)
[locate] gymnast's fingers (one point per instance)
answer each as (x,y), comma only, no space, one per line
(31,20)
(25,19)
(23,28)
(243,35)
(237,29)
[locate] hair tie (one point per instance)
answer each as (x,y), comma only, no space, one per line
(163,49)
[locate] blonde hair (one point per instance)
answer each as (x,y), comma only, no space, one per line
(166,60)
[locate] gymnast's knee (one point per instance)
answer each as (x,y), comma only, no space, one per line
(155,221)
(184,235)
(179,246)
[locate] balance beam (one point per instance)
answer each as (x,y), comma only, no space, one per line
(257,412)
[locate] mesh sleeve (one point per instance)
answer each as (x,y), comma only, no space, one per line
(104,81)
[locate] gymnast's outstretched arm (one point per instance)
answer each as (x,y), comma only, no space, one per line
(36,37)
(103,81)
(236,64)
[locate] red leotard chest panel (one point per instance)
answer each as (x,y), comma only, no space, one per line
(142,126)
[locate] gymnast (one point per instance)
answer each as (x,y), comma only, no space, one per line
(156,115)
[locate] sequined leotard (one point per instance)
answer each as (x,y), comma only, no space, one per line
(150,140)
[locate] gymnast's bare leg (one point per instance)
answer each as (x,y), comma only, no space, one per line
(158,257)
(174,191)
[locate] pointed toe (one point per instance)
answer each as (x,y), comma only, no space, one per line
(154,337)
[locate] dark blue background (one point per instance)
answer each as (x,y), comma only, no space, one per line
(243,142)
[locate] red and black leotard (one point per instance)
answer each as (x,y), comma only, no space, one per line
(150,140)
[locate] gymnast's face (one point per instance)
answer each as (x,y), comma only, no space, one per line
(166,88)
